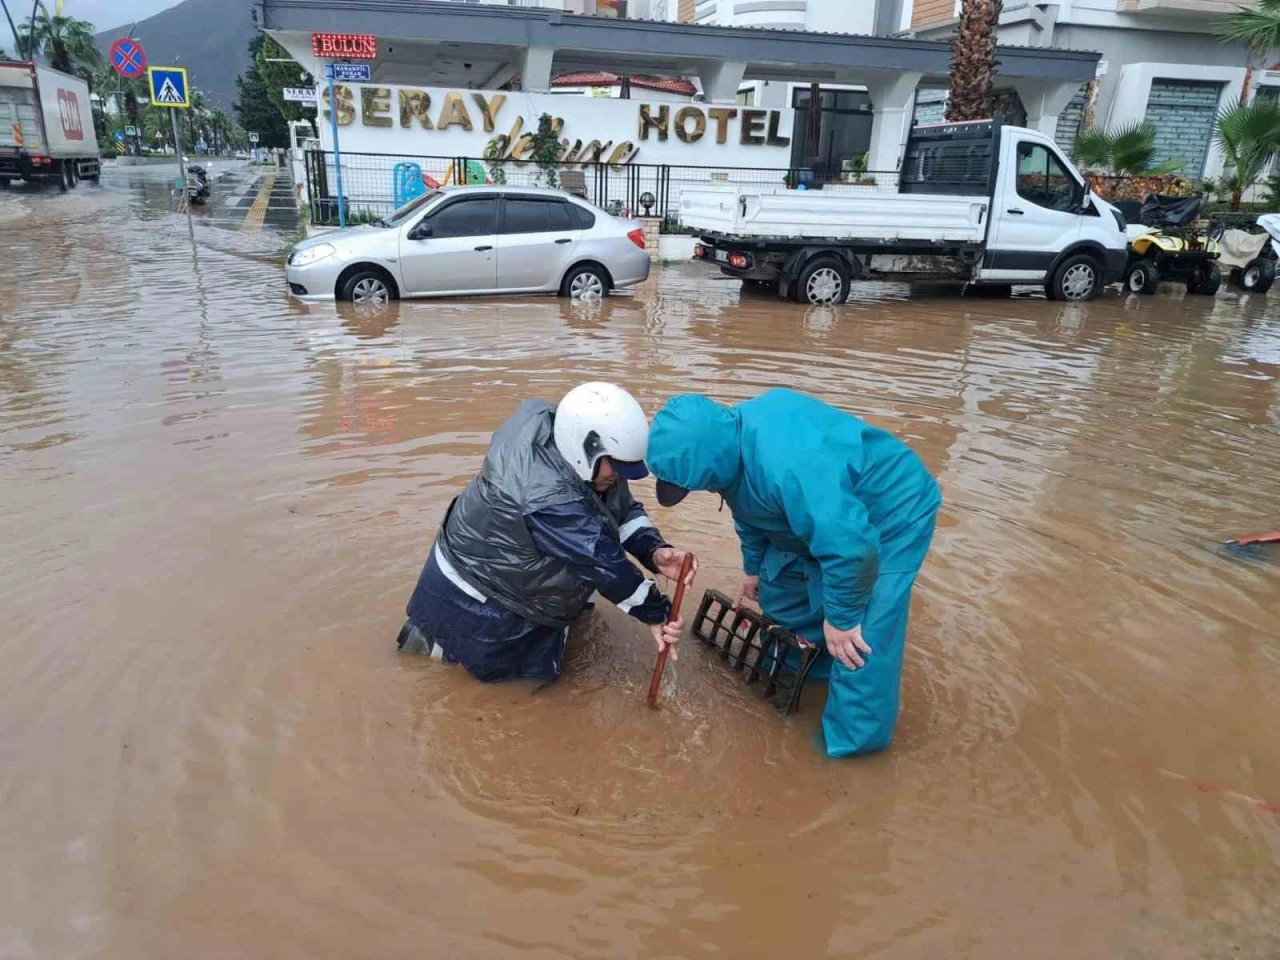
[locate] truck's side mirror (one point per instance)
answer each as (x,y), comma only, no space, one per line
(1083,202)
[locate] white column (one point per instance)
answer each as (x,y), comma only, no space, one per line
(721,79)
(893,98)
(1044,101)
(535,77)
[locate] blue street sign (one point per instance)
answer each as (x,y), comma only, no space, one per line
(350,72)
(120,136)
(169,87)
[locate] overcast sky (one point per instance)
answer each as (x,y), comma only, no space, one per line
(104,14)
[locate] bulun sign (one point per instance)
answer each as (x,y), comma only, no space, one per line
(501,126)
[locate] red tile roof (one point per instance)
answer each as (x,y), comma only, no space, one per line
(602,79)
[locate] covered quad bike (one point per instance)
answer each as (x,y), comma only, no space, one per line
(1252,257)
(1173,246)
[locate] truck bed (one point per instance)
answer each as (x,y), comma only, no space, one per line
(835,213)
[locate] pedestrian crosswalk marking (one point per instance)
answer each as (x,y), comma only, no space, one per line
(169,93)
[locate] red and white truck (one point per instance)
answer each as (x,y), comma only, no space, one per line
(46,127)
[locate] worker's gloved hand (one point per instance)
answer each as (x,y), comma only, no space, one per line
(750,590)
(847,646)
(667,635)
(669,560)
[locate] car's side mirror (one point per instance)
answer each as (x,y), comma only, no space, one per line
(422,231)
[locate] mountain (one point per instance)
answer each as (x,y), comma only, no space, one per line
(208,37)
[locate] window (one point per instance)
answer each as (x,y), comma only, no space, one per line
(525,216)
(560,217)
(532,215)
(466,218)
(586,219)
(1043,180)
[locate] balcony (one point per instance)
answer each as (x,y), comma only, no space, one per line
(1182,8)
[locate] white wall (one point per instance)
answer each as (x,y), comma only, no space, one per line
(618,123)
(373,141)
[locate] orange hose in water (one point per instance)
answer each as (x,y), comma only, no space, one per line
(685,569)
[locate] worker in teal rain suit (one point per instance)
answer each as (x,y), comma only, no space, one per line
(835,518)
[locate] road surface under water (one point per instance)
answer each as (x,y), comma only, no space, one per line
(216,503)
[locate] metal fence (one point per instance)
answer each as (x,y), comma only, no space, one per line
(375,184)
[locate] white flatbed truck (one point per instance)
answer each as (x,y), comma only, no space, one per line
(977,203)
(46,127)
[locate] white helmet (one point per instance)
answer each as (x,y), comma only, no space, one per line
(597,420)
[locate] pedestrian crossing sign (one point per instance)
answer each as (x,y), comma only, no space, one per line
(168,87)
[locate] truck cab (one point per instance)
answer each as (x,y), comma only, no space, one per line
(1042,210)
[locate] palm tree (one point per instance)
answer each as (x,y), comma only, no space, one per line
(1258,27)
(1250,138)
(66,42)
(973,60)
(1127,151)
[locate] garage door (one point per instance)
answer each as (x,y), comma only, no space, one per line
(1183,113)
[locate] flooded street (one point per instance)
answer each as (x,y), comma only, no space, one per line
(216,503)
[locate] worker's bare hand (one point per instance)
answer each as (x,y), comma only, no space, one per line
(667,635)
(847,646)
(750,590)
(669,560)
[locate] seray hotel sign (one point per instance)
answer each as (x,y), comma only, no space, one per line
(500,125)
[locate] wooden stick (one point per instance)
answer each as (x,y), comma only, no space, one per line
(661,665)
(1256,538)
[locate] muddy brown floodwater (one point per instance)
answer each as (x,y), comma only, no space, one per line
(216,502)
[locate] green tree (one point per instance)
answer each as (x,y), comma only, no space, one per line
(1258,26)
(67,43)
(277,74)
(1250,138)
(254,107)
(1126,151)
(973,60)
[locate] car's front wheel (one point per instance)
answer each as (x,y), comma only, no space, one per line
(585,282)
(367,286)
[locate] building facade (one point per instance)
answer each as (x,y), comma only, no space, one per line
(823,16)
(1161,62)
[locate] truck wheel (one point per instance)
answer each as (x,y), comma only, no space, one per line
(1258,275)
(1206,280)
(4,183)
(823,280)
(1077,278)
(1142,278)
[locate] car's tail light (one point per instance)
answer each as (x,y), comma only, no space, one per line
(636,236)
(699,251)
(738,261)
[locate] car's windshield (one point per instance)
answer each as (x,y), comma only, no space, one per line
(409,209)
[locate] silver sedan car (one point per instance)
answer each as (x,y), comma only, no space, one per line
(474,240)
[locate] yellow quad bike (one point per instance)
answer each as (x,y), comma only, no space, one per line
(1173,245)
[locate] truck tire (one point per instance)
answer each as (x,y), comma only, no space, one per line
(823,280)
(1258,275)
(4,183)
(1142,278)
(1077,278)
(1206,280)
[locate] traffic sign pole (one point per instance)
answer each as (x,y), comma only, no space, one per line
(182,172)
(337,155)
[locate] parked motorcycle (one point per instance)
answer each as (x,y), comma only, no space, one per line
(198,191)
